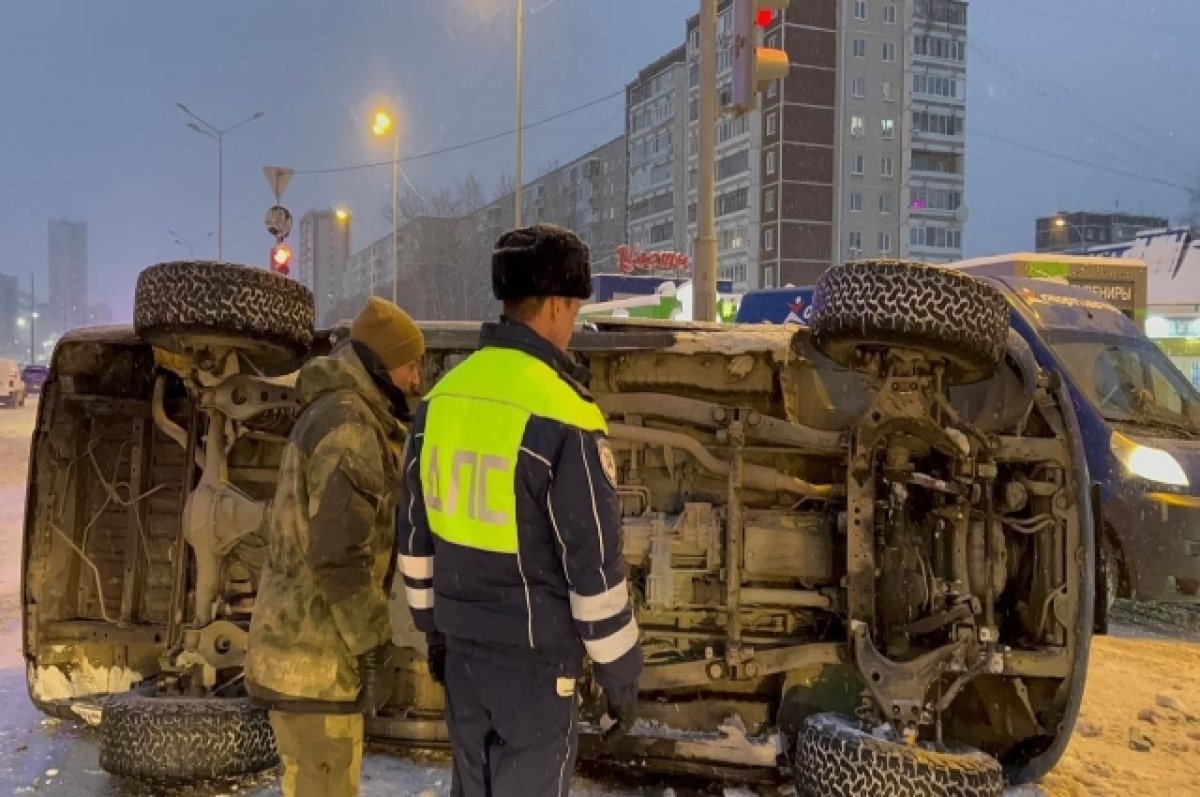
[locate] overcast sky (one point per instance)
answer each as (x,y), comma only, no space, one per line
(89,129)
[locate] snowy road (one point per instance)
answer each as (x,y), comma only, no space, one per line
(1140,679)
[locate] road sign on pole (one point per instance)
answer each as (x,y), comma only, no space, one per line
(278,178)
(279,222)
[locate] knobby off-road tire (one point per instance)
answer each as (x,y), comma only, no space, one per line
(836,758)
(179,739)
(894,303)
(177,305)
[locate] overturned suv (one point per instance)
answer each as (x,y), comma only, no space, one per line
(860,552)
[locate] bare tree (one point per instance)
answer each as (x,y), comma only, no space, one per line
(445,255)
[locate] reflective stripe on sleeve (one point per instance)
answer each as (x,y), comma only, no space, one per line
(419,599)
(419,567)
(613,646)
(594,608)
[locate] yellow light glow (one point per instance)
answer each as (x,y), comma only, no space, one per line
(1060,223)
(342,215)
(383,123)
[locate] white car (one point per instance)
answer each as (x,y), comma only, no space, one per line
(12,387)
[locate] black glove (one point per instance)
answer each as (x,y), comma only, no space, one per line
(436,642)
(622,710)
(374,676)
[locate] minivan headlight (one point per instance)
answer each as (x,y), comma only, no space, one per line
(1151,464)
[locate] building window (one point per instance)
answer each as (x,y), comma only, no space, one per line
(885,243)
(858,87)
(855,244)
(771,162)
(888,127)
(885,203)
(858,126)
(856,202)
(769,277)
(856,165)
(888,96)
(769,200)
(772,123)
(889,52)
(860,9)
(773,88)
(889,14)
(769,239)
(860,48)
(886,167)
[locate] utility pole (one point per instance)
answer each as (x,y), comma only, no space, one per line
(33,319)
(519,197)
(704,280)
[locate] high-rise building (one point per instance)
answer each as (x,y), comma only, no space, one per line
(587,195)
(801,140)
(858,152)
(656,120)
(902,87)
(322,249)
(14,339)
(1077,231)
(68,267)
(933,44)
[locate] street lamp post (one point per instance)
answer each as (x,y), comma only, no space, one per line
(518,192)
(382,125)
(1061,223)
(32,324)
(206,129)
(189,245)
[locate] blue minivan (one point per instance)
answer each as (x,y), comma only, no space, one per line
(1140,419)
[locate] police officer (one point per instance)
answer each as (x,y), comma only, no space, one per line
(321,625)
(510,538)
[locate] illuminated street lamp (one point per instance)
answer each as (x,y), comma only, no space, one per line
(382,125)
(1062,224)
(342,215)
(30,322)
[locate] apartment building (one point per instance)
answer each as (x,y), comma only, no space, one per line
(902,86)
(656,131)
(323,247)
(68,270)
(587,195)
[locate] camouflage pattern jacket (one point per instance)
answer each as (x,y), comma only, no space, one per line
(322,601)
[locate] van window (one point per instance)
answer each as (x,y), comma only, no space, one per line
(1129,379)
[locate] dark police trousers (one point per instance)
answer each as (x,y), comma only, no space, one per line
(514,722)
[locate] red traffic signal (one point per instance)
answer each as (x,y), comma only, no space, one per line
(281,258)
(765,16)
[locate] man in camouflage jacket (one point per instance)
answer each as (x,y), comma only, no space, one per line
(321,618)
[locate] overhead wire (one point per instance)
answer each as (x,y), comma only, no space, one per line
(466,144)
(1065,96)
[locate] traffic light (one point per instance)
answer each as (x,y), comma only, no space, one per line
(754,66)
(281,258)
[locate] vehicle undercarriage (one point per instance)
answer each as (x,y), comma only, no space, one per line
(883,518)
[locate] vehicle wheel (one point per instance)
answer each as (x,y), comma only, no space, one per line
(835,757)
(874,304)
(184,738)
(182,306)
